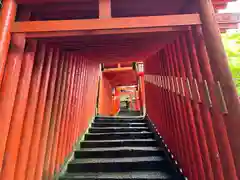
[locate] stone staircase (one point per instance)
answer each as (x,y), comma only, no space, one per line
(120,148)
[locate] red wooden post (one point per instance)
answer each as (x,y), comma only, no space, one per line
(179,135)
(12,68)
(182,122)
(14,135)
(84,100)
(104,9)
(9,88)
(39,115)
(84,95)
(222,77)
(11,71)
(188,122)
(7,16)
(164,103)
(193,115)
(76,99)
(68,121)
(221,134)
(169,114)
(163,127)
(73,124)
(80,108)
(79,97)
(62,134)
(54,123)
(52,164)
(196,110)
(206,117)
(137,108)
(47,116)
(30,113)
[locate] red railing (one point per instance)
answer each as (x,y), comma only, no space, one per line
(189,115)
(54,98)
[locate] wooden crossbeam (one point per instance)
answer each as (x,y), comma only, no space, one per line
(93,26)
(103,32)
(104,9)
(119,69)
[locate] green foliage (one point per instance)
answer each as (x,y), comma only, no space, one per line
(231,41)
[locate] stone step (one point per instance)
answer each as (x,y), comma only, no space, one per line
(122,135)
(115,124)
(118,152)
(152,163)
(138,175)
(118,143)
(115,118)
(117,129)
(127,120)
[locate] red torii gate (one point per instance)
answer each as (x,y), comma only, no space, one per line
(228,21)
(197,26)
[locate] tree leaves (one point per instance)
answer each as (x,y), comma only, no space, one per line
(231,41)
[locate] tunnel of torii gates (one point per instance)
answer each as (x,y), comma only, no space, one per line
(50,79)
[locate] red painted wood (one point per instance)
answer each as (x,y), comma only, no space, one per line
(43,133)
(104,8)
(30,113)
(14,135)
(206,116)
(9,88)
(225,152)
(81,104)
(179,134)
(47,115)
(7,17)
(12,68)
(39,115)
(80,87)
(54,123)
(196,111)
(50,163)
(221,74)
(69,120)
(60,157)
(198,172)
(181,115)
(73,106)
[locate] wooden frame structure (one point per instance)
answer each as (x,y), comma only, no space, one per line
(35,29)
(46,88)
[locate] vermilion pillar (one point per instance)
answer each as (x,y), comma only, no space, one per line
(7,16)
(30,113)
(51,157)
(142,93)
(207,119)
(47,117)
(222,77)
(67,119)
(14,135)
(225,152)
(60,150)
(38,120)
(9,88)
(11,65)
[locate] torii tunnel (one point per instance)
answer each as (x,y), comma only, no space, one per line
(63,62)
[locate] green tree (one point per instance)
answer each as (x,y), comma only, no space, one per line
(231,41)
